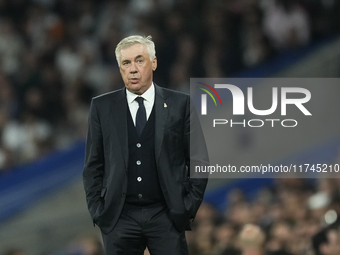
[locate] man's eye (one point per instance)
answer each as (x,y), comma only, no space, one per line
(139,61)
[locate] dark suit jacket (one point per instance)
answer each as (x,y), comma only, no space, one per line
(106,156)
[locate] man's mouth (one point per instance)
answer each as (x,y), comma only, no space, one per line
(134,80)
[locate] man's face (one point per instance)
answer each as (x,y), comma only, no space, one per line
(136,68)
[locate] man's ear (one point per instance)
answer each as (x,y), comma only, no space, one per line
(154,64)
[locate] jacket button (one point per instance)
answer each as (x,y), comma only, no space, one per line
(138,145)
(138,162)
(139,179)
(140,196)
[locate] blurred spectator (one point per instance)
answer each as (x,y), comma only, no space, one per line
(29,139)
(327,242)
(69,62)
(224,238)
(280,237)
(204,242)
(318,204)
(256,47)
(251,240)
(286,24)
(8,99)
(11,47)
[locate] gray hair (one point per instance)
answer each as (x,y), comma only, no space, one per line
(134,39)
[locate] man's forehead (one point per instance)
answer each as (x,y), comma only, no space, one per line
(134,51)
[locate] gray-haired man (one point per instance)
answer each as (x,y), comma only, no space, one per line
(137,158)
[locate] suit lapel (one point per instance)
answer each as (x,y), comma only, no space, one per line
(119,112)
(161,111)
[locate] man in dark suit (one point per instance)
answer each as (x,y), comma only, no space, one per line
(138,159)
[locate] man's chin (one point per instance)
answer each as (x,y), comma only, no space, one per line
(135,88)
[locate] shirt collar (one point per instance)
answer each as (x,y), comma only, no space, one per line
(148,95)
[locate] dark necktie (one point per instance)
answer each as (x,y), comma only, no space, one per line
(141,115)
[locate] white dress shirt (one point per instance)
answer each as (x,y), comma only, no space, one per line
(149,99)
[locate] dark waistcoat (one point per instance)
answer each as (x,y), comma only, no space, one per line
(143,184)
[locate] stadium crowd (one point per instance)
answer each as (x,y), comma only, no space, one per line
(293,218)
(56,54)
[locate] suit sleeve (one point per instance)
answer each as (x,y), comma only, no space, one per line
(196,155)
(94,164)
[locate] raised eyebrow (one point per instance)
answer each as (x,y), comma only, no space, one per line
(139,56)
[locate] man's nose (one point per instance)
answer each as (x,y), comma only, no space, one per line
(133,68)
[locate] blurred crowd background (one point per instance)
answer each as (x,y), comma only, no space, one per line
(293,217)
(55,55)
